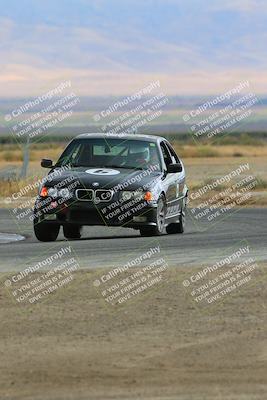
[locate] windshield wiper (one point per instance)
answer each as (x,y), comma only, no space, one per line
(81,165)
(76,165)
(121,166)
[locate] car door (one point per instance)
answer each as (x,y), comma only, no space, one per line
(169,179)
(178,181)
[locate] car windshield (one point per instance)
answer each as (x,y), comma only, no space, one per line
(115,153)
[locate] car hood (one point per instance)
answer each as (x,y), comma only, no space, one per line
(108,178)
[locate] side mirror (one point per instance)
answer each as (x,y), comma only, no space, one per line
(173,168)
(45,163)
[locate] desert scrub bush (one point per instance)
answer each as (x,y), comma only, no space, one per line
(8,187)
(38,154)
(11,156)
(193,151)
(242,139)
(207,151)
(261,184)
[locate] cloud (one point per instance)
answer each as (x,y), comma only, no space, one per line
(18,80)
(6,29)
(243,6)
(116,49)
(80,47)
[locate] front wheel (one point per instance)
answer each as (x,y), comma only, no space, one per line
(160,221)
(46,232)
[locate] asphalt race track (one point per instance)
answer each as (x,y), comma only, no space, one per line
(103,247)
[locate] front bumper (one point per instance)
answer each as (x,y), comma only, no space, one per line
(128,214)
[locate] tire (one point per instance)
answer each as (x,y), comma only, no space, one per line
(72,231)
(178,227)
(159,229)
(46,232)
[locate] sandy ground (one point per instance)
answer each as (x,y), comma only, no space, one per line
(159,345)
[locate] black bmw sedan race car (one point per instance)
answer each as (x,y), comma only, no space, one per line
(132,181)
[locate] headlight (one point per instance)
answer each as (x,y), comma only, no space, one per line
(65,193)
(137,195)
(52,192)
(126,195)
(43,191)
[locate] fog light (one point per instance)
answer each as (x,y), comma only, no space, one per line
(65,193)
(139,219)
(50,217)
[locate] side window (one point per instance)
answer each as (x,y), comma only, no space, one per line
(175,159)
(166,154)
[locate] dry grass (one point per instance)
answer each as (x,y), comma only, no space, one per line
(208,151)
(10,187)
(13,153)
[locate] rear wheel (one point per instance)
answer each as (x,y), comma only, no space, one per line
(72,231)
(160,227)
(46,232)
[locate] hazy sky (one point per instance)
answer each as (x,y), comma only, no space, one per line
(112,47)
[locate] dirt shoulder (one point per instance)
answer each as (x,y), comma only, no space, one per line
(157,346)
